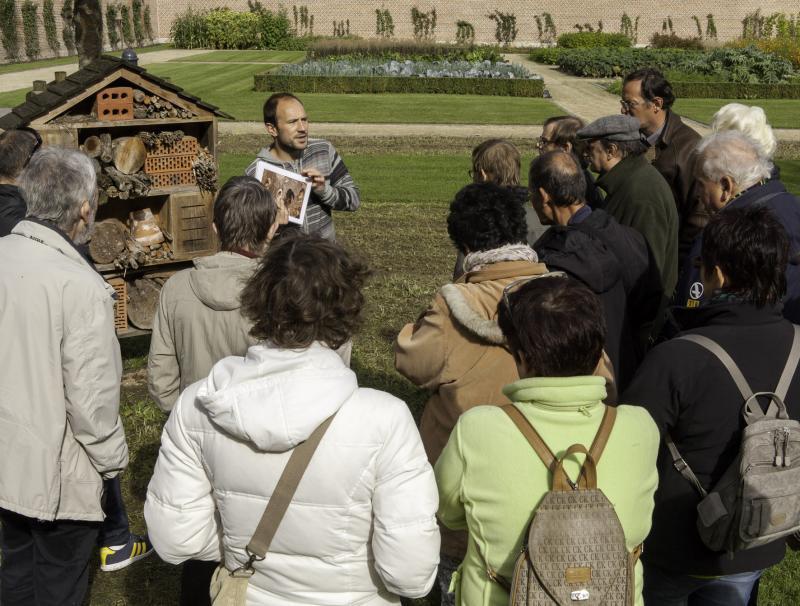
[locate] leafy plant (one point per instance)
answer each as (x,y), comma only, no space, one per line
(592,40)
(424,23)
(384,24)
(31,29)
(628,28)
(548,56)
(138,24)
(67,27)
(549,27)
(227,29)
(50,29)
(465,32)
(189,30)
(673,41)
(126,25)
(400,50)
(303,21)
(418,68)
(711,27)
(341,29)
(8,25)
(667,26)
(112,25)
(699,27)
(148,23)
(505,27)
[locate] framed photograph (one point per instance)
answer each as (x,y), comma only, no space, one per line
(293,189)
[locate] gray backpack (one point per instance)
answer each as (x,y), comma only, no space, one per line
(757,499)
(575,549)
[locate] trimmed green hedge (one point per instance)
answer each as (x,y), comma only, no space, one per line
(506,87)
(734,90)
(547,55)
(593,40)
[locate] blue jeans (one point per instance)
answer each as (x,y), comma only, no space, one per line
(115,529)
(667,588)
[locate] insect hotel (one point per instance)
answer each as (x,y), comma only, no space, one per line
(153,147)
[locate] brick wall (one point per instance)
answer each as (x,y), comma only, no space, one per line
(728,15)
(46,51)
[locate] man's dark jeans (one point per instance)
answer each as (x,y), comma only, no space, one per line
(115,529)
(44,563)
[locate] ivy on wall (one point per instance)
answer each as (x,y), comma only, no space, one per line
(30,28)
(67,28)
(50,29)
(148,24)
(112,29)
(127,26)
(138,24)
(8,28)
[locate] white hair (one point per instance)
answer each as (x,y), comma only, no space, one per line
(733,154)
(56,182)
(752,121)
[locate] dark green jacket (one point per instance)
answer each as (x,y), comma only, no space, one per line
(638,196)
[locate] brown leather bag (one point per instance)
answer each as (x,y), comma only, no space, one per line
(575,552)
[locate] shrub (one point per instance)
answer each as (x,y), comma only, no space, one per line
(728,64)
(50,29)
(465,32)
(227,29)
(111,25)
(232,30)
(401,50)
(735,90)
(188,30)
(31,29)
(8,25)
(138,24)
(593,40)
(548,56)
(786,48)
(67,28)
(126,24)
(672,41)
(269,82)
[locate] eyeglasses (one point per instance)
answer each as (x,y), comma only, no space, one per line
(542,142)
(628,105)
(514,286)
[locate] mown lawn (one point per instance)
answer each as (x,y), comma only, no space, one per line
(401,231)
(781,113)
(253,56)
(55,61)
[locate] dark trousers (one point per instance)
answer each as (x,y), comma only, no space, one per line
(115,529)
(196,582)
(44,563)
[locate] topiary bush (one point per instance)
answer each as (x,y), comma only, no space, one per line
(593,40)
(31,29)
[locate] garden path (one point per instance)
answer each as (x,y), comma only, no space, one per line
(24,79)
(344,129)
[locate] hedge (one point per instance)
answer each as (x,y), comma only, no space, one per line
(734,90)
(593,40)
(398,84)
(548,56)
(400,50)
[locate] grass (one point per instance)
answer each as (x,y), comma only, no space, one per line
(245,56)
(9,68)
(781,113)
(400,230)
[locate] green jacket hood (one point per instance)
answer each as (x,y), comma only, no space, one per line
(217,280)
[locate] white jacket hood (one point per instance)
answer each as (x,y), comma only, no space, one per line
(275,398)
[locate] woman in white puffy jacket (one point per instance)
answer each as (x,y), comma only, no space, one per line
(361,527)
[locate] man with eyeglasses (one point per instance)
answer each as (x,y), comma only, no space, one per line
(16,148)
(648,97)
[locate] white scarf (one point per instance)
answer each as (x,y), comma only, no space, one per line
(475,261)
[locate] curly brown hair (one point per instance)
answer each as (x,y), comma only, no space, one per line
(306,289)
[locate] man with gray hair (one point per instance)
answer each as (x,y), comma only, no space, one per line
(732,172)
(60,428)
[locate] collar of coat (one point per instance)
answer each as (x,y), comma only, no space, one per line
(731,313)
(625,171)
(46,233)
(484,328)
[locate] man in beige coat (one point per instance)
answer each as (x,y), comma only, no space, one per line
(60,430)
(198,321)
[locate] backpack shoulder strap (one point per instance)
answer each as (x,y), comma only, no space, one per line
(533,437)
(726,360)
(682,466)
(603,433)
(791,366)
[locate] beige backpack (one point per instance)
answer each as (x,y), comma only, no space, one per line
(575,552)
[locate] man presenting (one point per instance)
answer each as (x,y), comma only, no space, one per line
(648,97)
(332,186)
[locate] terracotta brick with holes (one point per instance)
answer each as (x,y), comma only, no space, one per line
(115,103)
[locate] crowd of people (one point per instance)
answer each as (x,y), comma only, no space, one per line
(618,327)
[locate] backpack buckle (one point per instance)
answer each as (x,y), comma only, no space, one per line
(680,464)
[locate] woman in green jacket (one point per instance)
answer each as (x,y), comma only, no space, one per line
(490,480)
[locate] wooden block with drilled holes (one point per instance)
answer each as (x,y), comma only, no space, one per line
(115,103)
(121,304)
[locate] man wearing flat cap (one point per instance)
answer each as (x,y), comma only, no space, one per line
(636,193)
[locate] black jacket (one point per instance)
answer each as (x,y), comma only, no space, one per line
(690,394)
(786,209)
(12,208)
(615,263)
